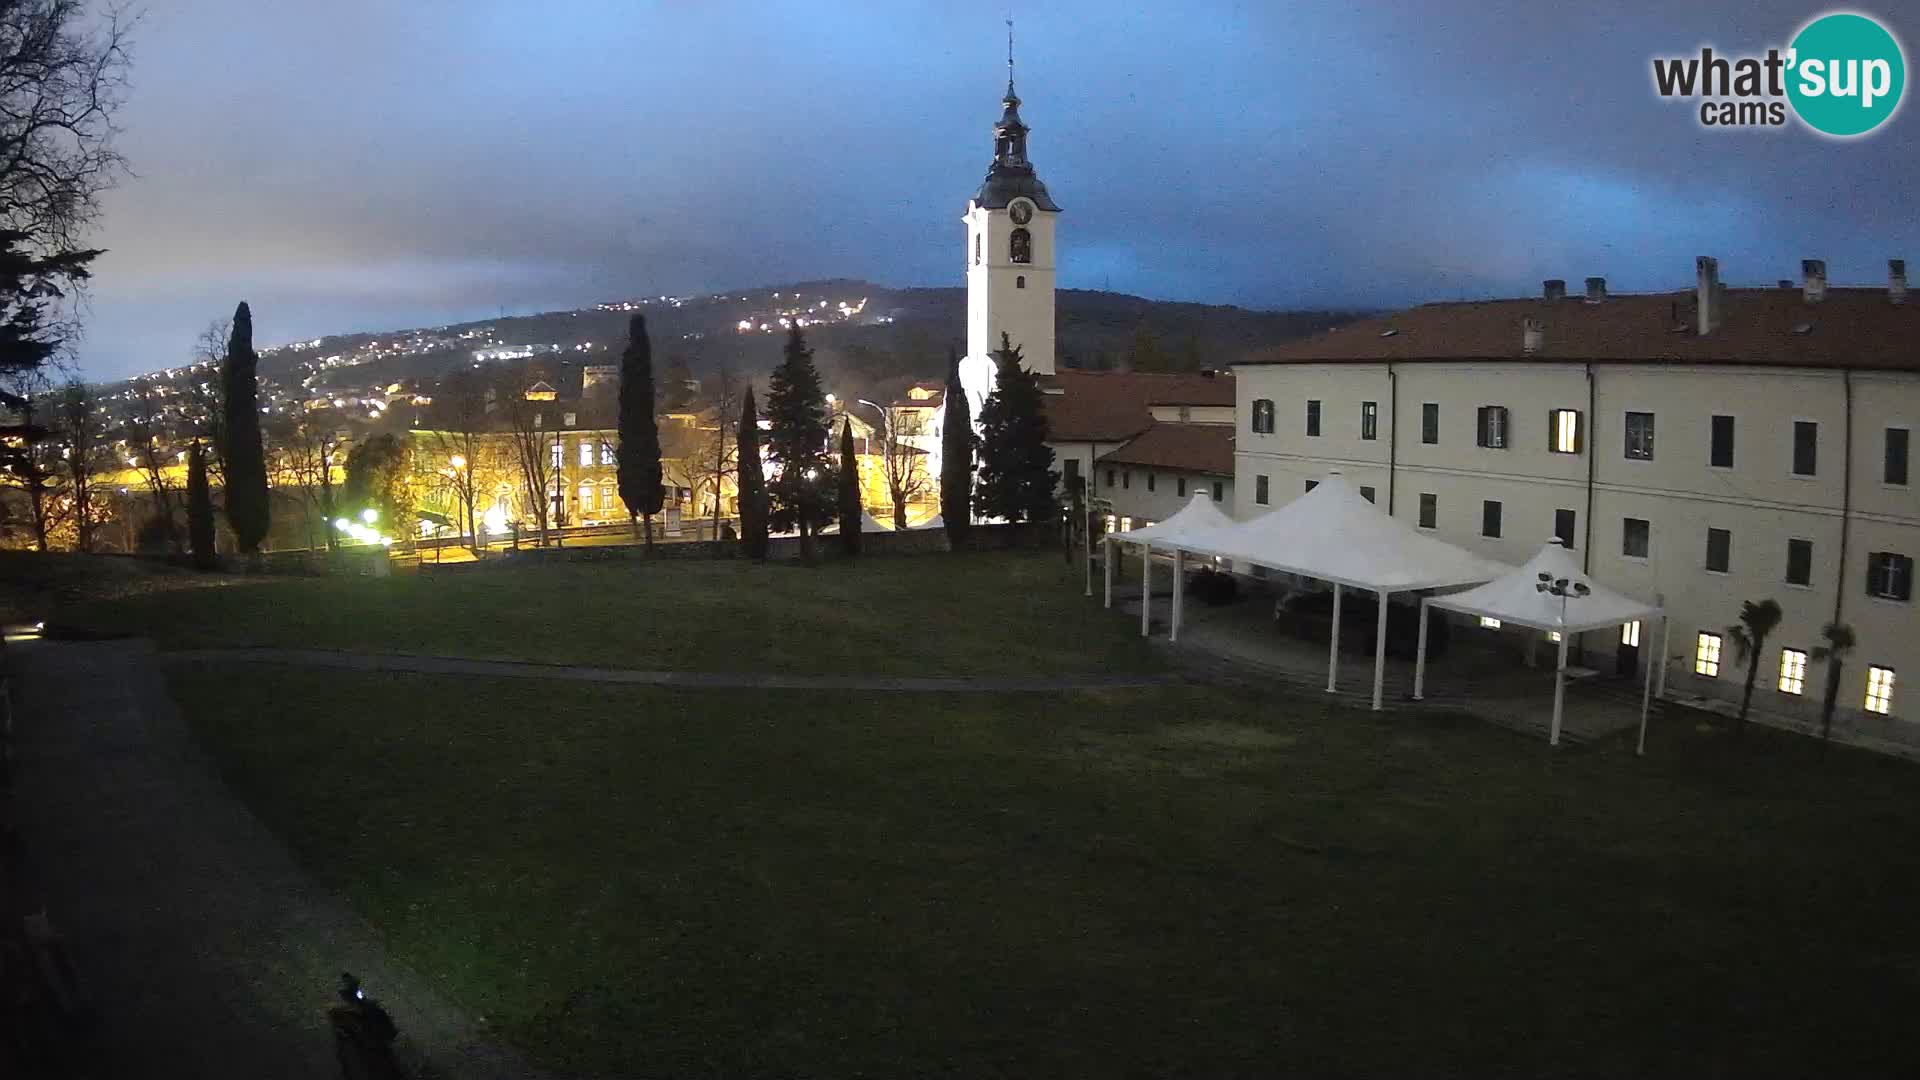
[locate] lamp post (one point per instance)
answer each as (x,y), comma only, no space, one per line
(1562,588)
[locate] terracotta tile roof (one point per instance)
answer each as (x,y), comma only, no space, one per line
(1201,448)
(1112,406)
(1852,327)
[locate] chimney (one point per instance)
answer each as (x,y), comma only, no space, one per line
(1707,300)
(1596,289)
(1532,333)
(1897,281)
(1813,273)
(1555,288)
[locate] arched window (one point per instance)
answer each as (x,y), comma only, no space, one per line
(1263,416)
(1021,249)
(976,249)
(1020,282)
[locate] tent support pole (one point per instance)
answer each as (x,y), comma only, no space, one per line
(1146,589)
(1380,651)
(1559,691)
(1660,682)
(1106,567)
(1086,522)
(1646,700)
(1420,657)
(1179,576)
(1333,644)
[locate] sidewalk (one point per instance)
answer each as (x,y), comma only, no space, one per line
(206,951)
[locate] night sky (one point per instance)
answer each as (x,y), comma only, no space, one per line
(372,164)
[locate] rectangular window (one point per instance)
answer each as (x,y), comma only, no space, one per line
(1880,690)
(1150,479)
(1430,422)
(1563,523)
(1369,420)
(1126,479)
(606,453)
(1491,427)
(1263,416)
(1706,655)
(1429,510)
(1070,473)
(1219,490)
(1260,490)
(1180,486)
(1489,623)
(1896,465)
(1793,671)
(1313,418)
(1489,518)
(1806,447)
(1640,436)
(559,454)
(1563,427)
(1126,524)
(1630,634)
(1719,550)
(1109,479)
(1889,576)
(1366,493)
(1720,449)
(586,454)
(1634,533)
(1799,562)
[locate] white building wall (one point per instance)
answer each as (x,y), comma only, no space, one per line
(1149,494)
(1759,500)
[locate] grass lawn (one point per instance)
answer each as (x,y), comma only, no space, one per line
(897,615)
(1185,881)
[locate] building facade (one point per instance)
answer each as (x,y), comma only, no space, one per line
(1700,449)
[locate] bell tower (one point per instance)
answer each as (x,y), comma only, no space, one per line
(1010,256)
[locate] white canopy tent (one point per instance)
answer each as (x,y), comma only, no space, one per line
(868,524)
(934,522)
(1549,593)
(1193,523)
(1335,534)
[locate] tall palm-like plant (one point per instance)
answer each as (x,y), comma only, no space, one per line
(1758,619)
(1834,653)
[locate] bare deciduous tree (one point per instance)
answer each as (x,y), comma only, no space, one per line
(530,428)
(903,462)
(81,435)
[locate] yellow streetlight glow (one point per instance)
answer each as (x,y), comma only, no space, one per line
(369,515)
(457,461)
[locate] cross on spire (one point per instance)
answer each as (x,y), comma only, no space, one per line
(1009,55)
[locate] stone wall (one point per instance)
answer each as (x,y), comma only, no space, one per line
(779,549)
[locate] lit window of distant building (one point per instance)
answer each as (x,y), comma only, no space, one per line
(1706,655)
(1880,690)
(1793,671)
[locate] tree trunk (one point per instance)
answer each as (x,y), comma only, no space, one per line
(1746,698)
(899,514)
(633,520)
(1831,702)
(648,518)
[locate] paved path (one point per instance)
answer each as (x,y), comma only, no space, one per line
(444,665)
(206,950)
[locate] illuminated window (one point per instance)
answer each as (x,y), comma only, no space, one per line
(1553,636)
(1110,523)
(1630,634)
(1126,524)
(586,453)
(559,454)
(606,453)
(1706,656)
(1564,424)
(1880,690)
(1490,624)
(1793,671)
(586,498)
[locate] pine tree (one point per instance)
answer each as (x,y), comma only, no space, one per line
(801,494)
(850,515)
(752,481)
(956,458)
(640,477)
(247,505)
(1016,464)
(199,507)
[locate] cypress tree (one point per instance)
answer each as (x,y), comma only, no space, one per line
(247,506)
(640,476)
(199,508)
(801,494)
(956,458)
(849,492)
(753,483)
(1016,464)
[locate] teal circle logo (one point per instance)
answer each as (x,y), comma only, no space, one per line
(1846,74)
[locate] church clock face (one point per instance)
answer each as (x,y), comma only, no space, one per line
(1021,211)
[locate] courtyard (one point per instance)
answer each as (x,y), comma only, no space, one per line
(1169,879)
